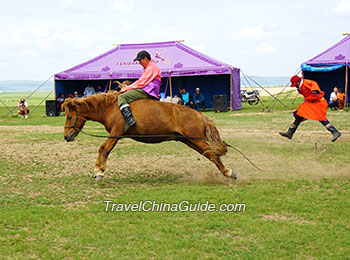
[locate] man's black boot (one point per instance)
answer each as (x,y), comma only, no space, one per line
(336,134)
(290,132)
(129,120)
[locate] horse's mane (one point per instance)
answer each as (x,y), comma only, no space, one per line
(96,102)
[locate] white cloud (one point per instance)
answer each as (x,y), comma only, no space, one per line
(266,48)
(125,27)
(251,32)
(122,5)
(342,7)
(201,47)
(41,30)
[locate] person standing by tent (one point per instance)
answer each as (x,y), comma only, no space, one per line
(146,87)
(341,98)
(23,109)
(313,108)
(89,91)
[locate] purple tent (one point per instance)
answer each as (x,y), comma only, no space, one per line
(181,66)
(330,68)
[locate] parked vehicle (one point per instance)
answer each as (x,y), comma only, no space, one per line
(252,97)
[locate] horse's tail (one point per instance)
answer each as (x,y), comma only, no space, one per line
(213,136)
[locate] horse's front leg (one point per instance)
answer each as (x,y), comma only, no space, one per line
(103,153)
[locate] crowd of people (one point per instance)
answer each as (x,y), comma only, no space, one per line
(88,91)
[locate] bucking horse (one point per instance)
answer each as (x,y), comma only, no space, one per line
(156,122)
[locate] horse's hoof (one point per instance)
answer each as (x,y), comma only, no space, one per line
(98,178)
(233,175)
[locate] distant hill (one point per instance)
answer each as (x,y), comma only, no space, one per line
(30,85)
(24,85)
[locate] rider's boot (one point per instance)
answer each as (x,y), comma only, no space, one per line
(129,120)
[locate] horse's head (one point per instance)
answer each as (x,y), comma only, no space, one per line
(74,120)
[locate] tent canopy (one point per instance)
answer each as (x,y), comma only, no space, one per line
(337,54)
(173,58)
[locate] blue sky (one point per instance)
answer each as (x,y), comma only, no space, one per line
(264,38)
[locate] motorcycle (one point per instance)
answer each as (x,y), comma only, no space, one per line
(252,97)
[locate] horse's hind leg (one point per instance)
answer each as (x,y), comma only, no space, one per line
(103,153)
(204,149)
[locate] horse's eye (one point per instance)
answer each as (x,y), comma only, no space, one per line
(69,118)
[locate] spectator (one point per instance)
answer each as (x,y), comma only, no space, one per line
(341,99)
(76,95)
(60,101)
(333,100)
(89,91)
(186,98)
(23,108)
(198,98)
(99,89)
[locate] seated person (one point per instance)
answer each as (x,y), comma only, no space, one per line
(23,108)
(341,99)
(185,98)
(60,101)
(76,95)
(198,99)
(333,100)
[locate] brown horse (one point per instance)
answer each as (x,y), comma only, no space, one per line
(155,122)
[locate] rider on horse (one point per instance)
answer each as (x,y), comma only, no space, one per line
(147,86)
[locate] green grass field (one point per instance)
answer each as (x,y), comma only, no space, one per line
(298,208)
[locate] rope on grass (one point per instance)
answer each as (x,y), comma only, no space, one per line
(317,145)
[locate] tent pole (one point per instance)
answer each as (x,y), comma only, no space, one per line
(346,87)
(180,79)
(171,90)
(231,91)
(110,85)
(54,87)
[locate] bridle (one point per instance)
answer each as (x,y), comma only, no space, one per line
(74,126)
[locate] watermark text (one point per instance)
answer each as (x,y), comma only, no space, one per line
(183,206)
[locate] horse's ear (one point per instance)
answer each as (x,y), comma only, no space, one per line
(68,104)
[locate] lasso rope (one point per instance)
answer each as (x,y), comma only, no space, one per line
(285,170)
